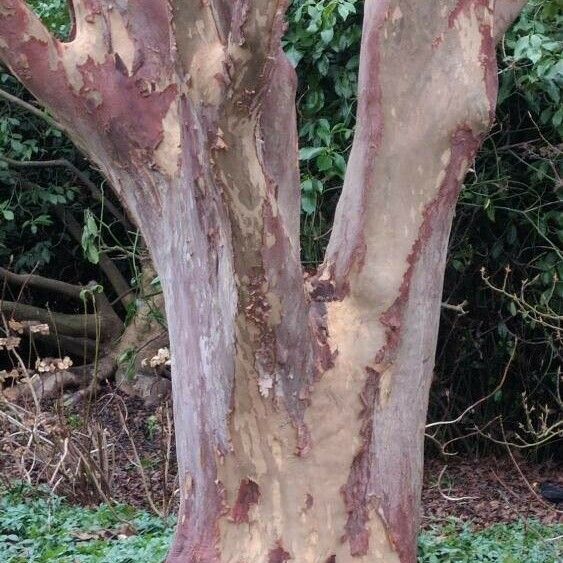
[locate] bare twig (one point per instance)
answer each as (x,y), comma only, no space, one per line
(482,399)
(95,192)
(144,480)
(67,324)
(532,490)
(444,495)
(32,109)
(460,309)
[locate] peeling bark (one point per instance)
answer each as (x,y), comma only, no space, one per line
(299,408)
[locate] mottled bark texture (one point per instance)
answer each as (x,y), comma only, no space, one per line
(299,410)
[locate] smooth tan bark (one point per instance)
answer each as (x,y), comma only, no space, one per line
(299,409)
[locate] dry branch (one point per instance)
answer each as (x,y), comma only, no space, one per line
(31,109)
(45,284)
(115,277)
(87,325)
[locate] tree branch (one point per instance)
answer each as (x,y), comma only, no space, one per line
(87,378)
(118,282)
(31,109)
(32,53)
(74,346)
(95,192)
(40,282)
(459,309)
(48,386)
(72,291)
(62,323)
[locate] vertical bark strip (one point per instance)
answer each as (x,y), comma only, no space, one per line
(299,409)
(409,158)
(347,243)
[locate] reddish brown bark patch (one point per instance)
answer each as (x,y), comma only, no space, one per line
(278,555)
(309,501)
(248,495)
(488,61)
(197,535)
(28,55)
(122,101)
(322,287)
(355,492)
(324,356)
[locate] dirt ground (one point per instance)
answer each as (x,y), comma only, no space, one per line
(487,491)
(88,455)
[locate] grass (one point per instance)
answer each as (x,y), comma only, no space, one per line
(36,526)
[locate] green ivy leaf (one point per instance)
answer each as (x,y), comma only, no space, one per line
(327,35)
(308,153)
(309,202)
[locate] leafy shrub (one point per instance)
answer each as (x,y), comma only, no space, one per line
(509,224)
(533,51)
(323,41)
(28,197)
(520,542)
(37,204)
(36,526)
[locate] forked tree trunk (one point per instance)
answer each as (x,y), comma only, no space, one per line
(299,410)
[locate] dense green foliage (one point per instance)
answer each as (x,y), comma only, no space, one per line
(28,232)
(38,527)
(26,208)
(505,252)
(534,47)
(508,221)
(54,13)
(519,542)
(323,41)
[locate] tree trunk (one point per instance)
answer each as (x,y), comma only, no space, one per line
(299,410)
